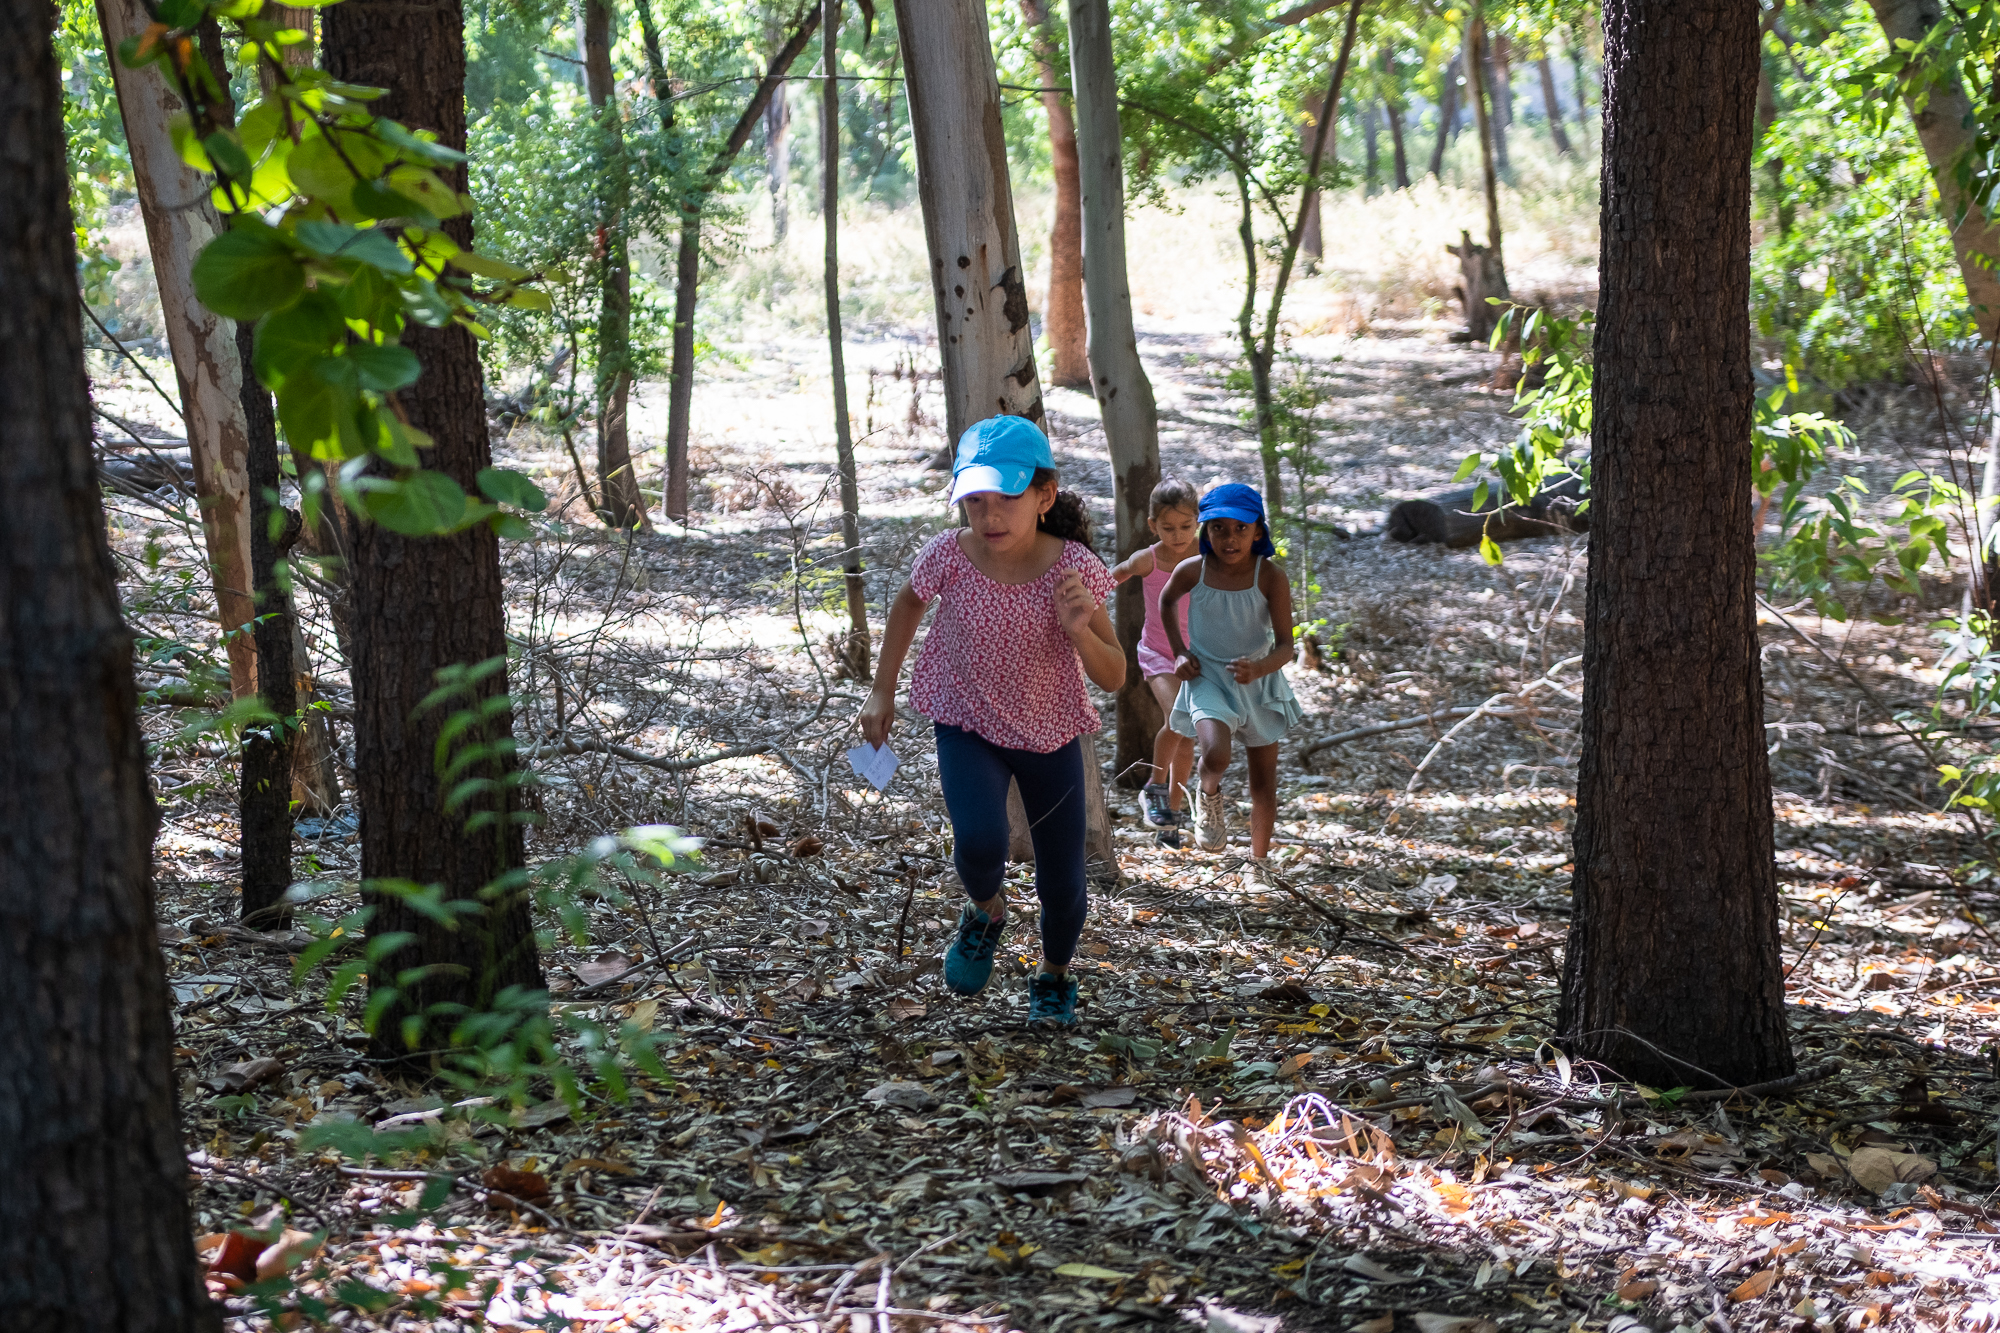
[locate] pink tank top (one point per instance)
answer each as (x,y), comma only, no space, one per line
(1156,657)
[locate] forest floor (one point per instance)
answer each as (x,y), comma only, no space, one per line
(1322,1101)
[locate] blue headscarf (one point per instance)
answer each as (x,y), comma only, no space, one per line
(1241,503)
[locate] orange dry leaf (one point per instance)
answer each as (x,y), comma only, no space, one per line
(1755,1285)
(1639,1290)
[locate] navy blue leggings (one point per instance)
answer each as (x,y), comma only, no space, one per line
(975,772)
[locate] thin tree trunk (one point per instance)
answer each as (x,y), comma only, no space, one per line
(1447,114)
(1312,241)
(1371,152)
(1062,315)
(1944,128)
(1673,974)
(1494,140)
(687,252)
(1394,115)
(1501,52)
(617,482)
(1263,353)
(264,801)
(1582,89)
(94,1224)
(1475,42)
(180,220)
(778,161)
(984,342)
(422,605)
(1124,393)
(1553,106)
(858,654)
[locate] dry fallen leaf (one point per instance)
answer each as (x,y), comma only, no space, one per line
(1826,1164)
(603,968)
(1090,1271)
(1453,1323)
(909,1096)
(510,1186)
(289,1251)
(1362,1266)
(246,1075)
(236,1257)
(1104,1098)
(1639,1290)
(807,846)
(1876,1169)
(1755,1285)
(903,1009)
(1382,1323)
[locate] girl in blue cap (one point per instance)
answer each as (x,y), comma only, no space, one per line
(1020,623)
(1239,621)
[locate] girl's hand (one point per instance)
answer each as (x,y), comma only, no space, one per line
(1186,667)
(877,716)
(1074,604)
(1247,669)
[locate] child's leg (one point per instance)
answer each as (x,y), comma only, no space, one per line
(1052,796)
(1262,761)
(1173,753)
(974,777)
(1214,738)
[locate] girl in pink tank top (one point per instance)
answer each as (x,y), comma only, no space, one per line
(1172,519)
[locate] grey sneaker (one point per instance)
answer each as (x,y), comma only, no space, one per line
(1153,812)
(1211,831)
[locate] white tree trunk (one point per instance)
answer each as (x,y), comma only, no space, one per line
(984,341)
(173,199)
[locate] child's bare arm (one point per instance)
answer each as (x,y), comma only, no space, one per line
(879,713)
(1180,585)
(1135,566)
(1277,590)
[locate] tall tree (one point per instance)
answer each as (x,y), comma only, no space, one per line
(94,1225)
(1124,393)
(425,605)
(1484,266)
(984,342)
(1392,111)
(1447,113)
(1499,78)
(617,483)
(1552,105)
(264,774)
(687,248)
(174,204)
(1673,974)
(778,145)
(1062,315)
(1943,117)
(855,654)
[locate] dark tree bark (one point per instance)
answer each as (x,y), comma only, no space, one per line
(1392,111)
(1673,974)
(617,483)
(1447,113)
(94,1226)
(424,604)
(857,652)
(1494,134)
(1062,313)
(1491,277)
(264,797)
(687,250)
(1371,150)
(1552,105)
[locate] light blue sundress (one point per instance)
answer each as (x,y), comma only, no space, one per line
(1223,626)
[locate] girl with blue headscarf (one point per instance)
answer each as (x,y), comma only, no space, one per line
(1239,621)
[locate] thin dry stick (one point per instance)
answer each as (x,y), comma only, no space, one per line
(1548,680)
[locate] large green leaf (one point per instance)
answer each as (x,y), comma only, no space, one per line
(318,405)
(337,240)
(247,272)
(420,504)
(289,338)
(507,487)
(384,367)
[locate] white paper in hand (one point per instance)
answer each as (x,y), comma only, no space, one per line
(874,763)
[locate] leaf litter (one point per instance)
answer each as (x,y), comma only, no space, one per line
(1319,1099)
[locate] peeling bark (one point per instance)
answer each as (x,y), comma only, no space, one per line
(180,220)
(617,483)
(1062,314)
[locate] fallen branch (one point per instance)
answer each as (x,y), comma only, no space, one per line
(569,745)
(1489,708)
(1306,752)
(1804,1078)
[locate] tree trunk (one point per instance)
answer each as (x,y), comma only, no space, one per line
(1447,113)
(1124,393)
(687,253)
(1582,90)
(1392,111)
(857,654)
(1944,129)
(1553,106)
(778,160)
(617,483)
(264,798)
(422,605)
(984,342)
(1673,974)
(1481,275)
(1496,282)
(180,220)
(1501,92)
(1312,240)
(1450,520)
(94,1225)
(1493,141)
(1062,317)
(1371,152)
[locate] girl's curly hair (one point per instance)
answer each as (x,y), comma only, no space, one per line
(1067,518)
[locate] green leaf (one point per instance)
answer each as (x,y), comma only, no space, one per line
(421,504)
(1468,467)
(487,267)
(1489,550)
(287,339)
(529,298)
(379,201)
(384,367)
(507,487)
(318,172)
(424,150)
(317,406)
(336,240)
(227,155)
(248,271)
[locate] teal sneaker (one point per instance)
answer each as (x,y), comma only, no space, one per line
(1052,999)
(968,963)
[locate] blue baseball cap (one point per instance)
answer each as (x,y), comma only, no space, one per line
(1241,503)
(999,454)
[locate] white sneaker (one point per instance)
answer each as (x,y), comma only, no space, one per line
(1211,831)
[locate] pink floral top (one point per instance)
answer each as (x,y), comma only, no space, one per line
(996,661)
